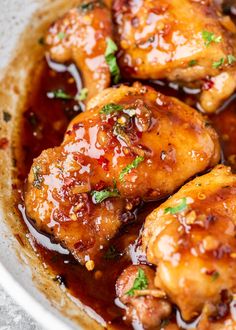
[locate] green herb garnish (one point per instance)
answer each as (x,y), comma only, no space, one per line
(100,196)
(130,167)
(192,63)
(38,179)
(164,323)
(111,253)
(178,208)
(231,59)
(59,94)
(209,37)
(82,94)
(61,35)
(218,64)
(6,116)
(140,283)
(87,6)
(215,276)
(111,60)
(111,107)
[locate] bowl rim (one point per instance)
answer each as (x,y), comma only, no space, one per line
(31,306)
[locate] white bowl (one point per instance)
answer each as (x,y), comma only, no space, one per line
(22,274)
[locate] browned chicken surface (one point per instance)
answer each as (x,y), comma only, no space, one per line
(188,41)
(132,144)
(147,306)
(191,238)
(80,36)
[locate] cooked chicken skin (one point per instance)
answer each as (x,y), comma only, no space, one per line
(149,307)
(135,144)
(191,237)
(80,36)
(178,40)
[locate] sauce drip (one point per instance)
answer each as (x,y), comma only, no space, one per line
(43,125)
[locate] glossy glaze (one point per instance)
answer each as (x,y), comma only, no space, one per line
(164,39)
(80,36)
(48,112)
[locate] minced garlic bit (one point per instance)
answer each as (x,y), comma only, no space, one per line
(201,196)
(155,293)
(90,265)
(73,217)
(122,120)
(210,243)
(190,217)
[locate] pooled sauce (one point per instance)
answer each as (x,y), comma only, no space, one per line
(43,125)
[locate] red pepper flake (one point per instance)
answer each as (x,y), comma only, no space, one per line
(111,121)
(160,9)
(4,143)
(69,132)
(207,84)
(135,22)
(100,185)
(129,70)
(104,163)
(139,134)
(77,126)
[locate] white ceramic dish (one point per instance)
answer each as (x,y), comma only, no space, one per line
(22,22)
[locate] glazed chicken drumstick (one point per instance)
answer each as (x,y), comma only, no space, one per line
(191,238)
(179,40)
(187,41)
(131,144)
(80,36)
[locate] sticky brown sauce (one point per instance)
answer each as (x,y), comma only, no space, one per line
(43,125)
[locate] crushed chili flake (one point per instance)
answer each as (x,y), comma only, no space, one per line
(100,185)
(139,134)
(111,121)
(69,132)
(77,126)
(4,143)
(104,163)
(207,84)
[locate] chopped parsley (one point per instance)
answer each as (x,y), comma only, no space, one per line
(192,62)
(215,276)
(82,95)
(59,94)
(218,64)
(38,179)
(111,107)
(130,167)
(111,253)
(210,37)
(111,60)
(101,195)
(176,209)
(140,283)
(61,35)
(231,59)
(87,6)
(6,116)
